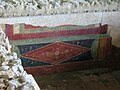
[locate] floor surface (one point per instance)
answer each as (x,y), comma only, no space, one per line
(98,79)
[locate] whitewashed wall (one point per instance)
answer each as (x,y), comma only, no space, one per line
(111,18)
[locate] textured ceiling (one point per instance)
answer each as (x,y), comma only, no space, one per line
(10,8)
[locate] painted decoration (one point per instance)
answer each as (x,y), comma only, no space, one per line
(60,46)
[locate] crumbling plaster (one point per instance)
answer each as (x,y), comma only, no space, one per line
(58,12)
(111,18)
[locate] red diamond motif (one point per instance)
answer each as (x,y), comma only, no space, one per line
(55,53)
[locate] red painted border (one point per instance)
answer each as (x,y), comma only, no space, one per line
(55,34)
(9,30)
(96,30)
(51,69)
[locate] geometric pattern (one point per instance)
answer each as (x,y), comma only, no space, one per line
(55,53)
(62,47)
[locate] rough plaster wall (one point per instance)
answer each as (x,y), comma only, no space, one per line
(111,18)
(55,20)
